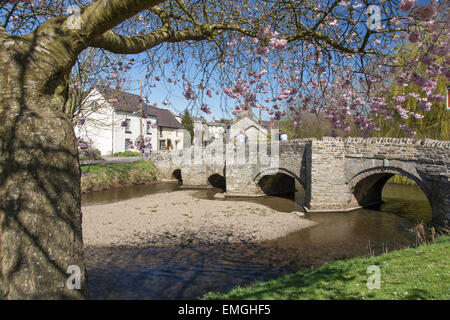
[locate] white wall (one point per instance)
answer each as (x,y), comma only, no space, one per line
(97,129)
(103,126)
(253,130)
(175,135)
(120,134)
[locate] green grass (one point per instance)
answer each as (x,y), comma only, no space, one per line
(87,158)
(401,180)
(127,154)
(108,176)
(415,273)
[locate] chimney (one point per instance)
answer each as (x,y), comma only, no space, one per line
(213,119)
(260,114)
(271,123)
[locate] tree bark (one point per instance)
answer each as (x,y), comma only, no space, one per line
(40,194)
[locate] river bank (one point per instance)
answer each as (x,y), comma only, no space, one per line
(137,271)
(177,218)
(414,273)
(100,177)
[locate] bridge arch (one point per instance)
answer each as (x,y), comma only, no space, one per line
(176,174)
(367,185)
(278,183)
(217,181)
(273,171)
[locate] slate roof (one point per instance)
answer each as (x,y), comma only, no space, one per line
(165,118)
(129,102)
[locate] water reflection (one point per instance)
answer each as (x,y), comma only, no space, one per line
(125,193)
(189,272)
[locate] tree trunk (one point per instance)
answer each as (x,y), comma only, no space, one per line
(40,194)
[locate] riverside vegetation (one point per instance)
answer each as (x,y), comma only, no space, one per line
(415,273)
(109,176)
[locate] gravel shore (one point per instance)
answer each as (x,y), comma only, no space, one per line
(178,218)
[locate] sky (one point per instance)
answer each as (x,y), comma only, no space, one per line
(174,95)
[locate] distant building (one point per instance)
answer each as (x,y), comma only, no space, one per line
(113,121)
(256,130)
(209,130)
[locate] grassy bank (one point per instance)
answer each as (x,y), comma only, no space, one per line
(416,273)
(109,176)
(401,180)
(127,154)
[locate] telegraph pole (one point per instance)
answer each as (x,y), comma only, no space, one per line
(140,118)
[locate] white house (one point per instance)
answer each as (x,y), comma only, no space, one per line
(209,130)
(256,130)
(113,120)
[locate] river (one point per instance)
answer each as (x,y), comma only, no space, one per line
(191,271)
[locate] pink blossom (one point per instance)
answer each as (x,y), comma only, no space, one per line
(407,130)
(414,36)
(205,109)
(189,93)
(262,50)
(396,22)
(264,33)
(436,97)
(425,106)
(419,80)
(406,5)
(426,11)
(279,44)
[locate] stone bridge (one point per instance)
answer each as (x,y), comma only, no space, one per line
(337,174)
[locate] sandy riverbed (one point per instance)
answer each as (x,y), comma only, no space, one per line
(178,218)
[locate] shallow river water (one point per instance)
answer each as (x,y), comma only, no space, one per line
(191,271)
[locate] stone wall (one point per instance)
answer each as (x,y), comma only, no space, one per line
(244,178)
(339,167)
(194,172)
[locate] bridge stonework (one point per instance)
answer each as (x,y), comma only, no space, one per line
(338,174)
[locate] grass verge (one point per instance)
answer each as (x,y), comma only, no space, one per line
(127,154)
(415,273)
(109,176)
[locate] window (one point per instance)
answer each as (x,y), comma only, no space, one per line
(127,126)
(94,105)
(149,127)
(160,131)
(127,144)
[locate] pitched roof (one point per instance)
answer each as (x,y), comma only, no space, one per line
(249,114)
(129,102)
(165,118)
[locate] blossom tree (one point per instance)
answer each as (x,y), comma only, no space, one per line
(270,55)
